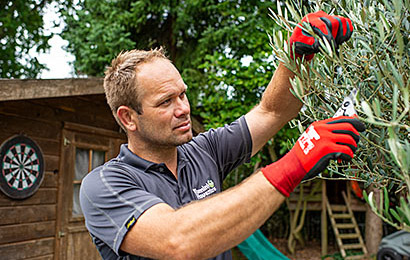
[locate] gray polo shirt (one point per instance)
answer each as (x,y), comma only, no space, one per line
(114,195)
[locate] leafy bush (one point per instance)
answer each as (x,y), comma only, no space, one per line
(376,62)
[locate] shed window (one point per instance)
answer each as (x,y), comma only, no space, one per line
(85,161)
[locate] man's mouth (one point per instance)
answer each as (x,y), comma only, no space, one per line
(184,126)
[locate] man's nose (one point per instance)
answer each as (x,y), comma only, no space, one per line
(182,108)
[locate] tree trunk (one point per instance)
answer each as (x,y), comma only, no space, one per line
(374,225)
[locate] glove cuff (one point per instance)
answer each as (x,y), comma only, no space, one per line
(285,174)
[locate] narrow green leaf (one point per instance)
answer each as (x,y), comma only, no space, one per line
(395,72)
(300,127)
(386,203)
(391,185)
(406,157)
(367,110)
(279,8)
(388,4)
(363,14)
(395,147)
(370,163)
(396,216)
(381,199)
(382,135)
(406,210)
(386,24)
(376,107)
(298,87)
(395,99)
(401,213)
(398,7)
(366,46)
(365,197)
(405,100)
(380,28)
(292,11)
(400,42)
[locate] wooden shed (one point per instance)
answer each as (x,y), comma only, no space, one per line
(70,122)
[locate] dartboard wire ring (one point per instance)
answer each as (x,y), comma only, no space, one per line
(21,167)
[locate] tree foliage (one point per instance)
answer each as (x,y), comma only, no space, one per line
(191,31)
(188,29)
(21,29)
(376,62)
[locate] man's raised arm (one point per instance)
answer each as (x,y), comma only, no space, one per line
(278,105)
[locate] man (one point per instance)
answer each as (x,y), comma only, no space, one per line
(161,197)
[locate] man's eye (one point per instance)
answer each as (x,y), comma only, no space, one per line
(182,94)
(165,102)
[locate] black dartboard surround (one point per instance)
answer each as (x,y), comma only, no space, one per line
(21,167)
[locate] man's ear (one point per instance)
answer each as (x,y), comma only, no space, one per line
(128,117)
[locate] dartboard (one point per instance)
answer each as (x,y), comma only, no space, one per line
(21,166)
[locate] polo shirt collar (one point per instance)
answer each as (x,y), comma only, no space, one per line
(134,160)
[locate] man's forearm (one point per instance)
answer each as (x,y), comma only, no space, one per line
(277,107)
(277,97)
(205,228)
(229,218)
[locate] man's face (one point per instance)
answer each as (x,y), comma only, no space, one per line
(165,119)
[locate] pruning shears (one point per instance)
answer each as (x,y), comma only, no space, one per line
(347,107)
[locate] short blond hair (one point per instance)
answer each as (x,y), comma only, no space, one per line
(121,83)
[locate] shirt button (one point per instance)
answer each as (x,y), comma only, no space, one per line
(161,169)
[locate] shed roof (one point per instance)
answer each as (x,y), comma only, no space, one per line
(20,89)
(24,89)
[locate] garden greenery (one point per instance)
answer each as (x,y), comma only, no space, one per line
(375,61)
(22,32)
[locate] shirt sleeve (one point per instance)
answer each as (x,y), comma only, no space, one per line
(112,202)
(230,145)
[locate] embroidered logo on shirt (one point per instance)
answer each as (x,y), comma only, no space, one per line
(130,223)
(207,189)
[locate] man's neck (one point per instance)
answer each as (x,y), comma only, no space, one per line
(157,154)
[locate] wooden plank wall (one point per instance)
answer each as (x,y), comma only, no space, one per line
(27,227)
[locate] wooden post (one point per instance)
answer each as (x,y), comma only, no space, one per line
(374,224)
(324,219)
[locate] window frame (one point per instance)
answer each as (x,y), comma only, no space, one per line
(90,149)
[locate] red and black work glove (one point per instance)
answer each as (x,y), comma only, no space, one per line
(334,138)
(334,29)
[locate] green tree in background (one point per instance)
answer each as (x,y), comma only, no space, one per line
(21,29)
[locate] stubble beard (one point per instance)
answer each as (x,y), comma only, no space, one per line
(156,139)
(176,140)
